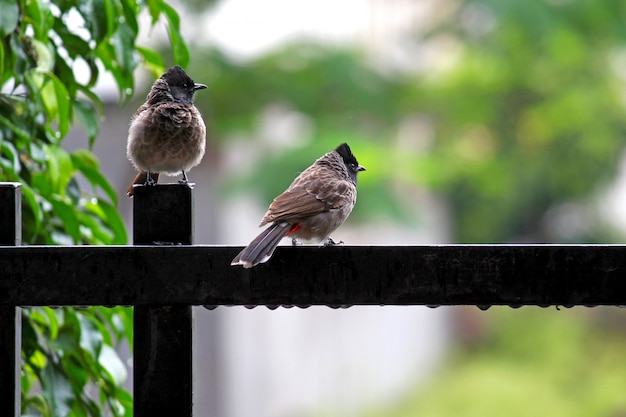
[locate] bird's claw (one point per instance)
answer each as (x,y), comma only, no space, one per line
(184,180)
(150,181)
(331,242)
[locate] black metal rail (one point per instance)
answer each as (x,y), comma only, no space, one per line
(163,278)
(302,276)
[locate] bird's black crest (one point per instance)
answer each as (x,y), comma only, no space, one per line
(346,154)
(176,76)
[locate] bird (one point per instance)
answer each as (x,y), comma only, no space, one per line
(316,203)
(167,133)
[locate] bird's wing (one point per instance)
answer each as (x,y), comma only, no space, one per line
(310,194)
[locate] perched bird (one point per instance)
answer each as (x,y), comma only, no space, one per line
(167,134)
(316,203)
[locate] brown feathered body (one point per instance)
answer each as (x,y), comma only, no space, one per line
(167,133)
(316,203)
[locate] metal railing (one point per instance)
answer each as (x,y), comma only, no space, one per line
(162,281)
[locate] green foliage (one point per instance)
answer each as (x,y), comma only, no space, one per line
(52,54)
(71,353)
(533,362)
(529,116)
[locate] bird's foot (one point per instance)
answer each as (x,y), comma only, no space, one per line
(294,242)
(184,180)
(150,181)
(331,242)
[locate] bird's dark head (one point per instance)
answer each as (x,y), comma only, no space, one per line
(350,160)
(181,86)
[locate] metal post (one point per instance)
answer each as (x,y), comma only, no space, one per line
(163,215)
(10,316)
(10,214)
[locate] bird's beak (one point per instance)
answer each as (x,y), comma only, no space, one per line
(360,168)
(197,87)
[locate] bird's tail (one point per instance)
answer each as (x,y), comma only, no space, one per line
(263,246)
(141,178)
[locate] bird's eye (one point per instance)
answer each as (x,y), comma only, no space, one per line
(185,85)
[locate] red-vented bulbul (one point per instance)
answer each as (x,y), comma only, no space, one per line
(316,203)
(167,134)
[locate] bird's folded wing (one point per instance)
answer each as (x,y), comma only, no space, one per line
(309,198)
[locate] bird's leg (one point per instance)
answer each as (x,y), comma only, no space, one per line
(149,180)
(184,180)
(331,242)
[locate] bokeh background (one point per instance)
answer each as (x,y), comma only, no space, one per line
(479,122)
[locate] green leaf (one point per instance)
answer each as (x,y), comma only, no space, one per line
(95,100)
(66,75)
(119,320)
(60,167)
(123,321)
(36,402)
(112,218)
(116,223)
(64,105)
(106,55)
(91,339)
(74,44)
(8,17)
(30,342)
(57,390)
(179,47)
(88,116)
(98,18)
(154,8)
(33,10)
(124,45)
(130,14)
(50,100)
(152,60)
(126,399)
(44,54)
(88,165)
(76,371)
(53,323)
(111,363)
(21,59)
(2,63)
(30,196)
(19,132)
(106,332)
(9,158)
(65,210)
(93,229)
